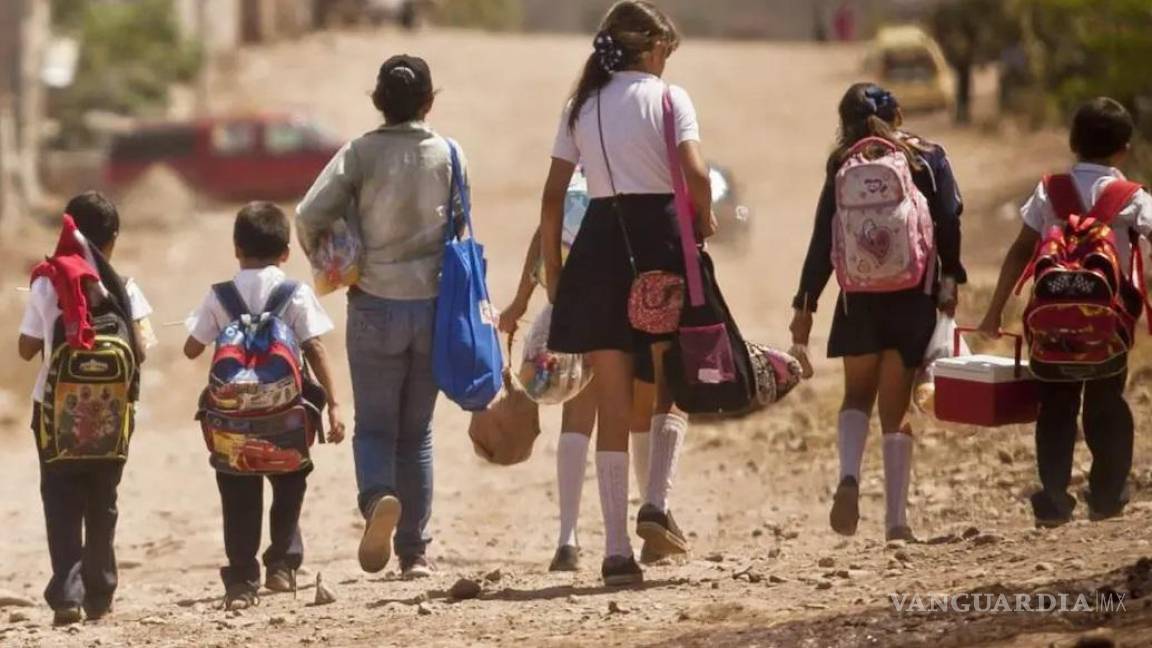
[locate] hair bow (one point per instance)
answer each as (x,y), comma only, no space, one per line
(610,54)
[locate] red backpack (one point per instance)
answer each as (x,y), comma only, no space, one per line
(1081,320)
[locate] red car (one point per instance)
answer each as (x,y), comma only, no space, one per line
(267,157)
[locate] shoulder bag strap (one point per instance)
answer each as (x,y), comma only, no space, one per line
(229,297)
(457,190)
(684,212)
(615,194)
(1063,196)
(280,298)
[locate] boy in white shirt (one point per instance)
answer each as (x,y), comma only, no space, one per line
(79,496)
(261,236)
(1101,139)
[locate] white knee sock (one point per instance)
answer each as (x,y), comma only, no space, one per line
(667,436)
(641,456)
(571,465)
(853,434)
(612,474)
(897,476)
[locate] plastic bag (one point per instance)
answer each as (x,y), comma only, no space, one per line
(547,377)
(942,345)
(336,259)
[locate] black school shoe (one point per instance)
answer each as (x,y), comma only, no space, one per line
(1098,512)
(280,578)
(620,571)
(845,515)
(97,608)
(566,559)
(66,616)
(1051,513)
(662,538)
(241,596)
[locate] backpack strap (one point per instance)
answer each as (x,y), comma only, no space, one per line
(1063,196)
(230,298)
(1113,200)
(280,298)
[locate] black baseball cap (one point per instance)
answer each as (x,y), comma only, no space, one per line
(406,74)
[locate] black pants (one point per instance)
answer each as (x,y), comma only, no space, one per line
(80,514)
(1108,431)
(242,497)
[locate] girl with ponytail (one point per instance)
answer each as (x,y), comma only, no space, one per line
(881,336)
(613,127)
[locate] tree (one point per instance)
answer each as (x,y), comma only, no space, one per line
(971,33)
(130,55)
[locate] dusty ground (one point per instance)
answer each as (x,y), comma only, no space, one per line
(754,493)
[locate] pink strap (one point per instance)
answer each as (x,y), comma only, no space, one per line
(684,211)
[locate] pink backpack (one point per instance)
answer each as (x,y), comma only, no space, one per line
(883,238)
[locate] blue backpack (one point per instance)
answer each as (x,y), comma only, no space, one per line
(466,356)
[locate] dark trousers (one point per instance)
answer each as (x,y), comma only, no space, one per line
(1108,431)
(242,497)
(80,514)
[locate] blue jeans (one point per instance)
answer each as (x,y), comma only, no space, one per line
(390,356)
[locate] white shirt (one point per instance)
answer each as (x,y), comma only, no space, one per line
(633,120)
(304,314)
(1090,180)
(42,311)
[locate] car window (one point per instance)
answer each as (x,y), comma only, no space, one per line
(282,138)
(909,66)
(234,139)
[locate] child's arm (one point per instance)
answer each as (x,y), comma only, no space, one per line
(510,316)
(29,347)
(193,348)
(552,220)
(318,359)
(699,183)
(1016,261)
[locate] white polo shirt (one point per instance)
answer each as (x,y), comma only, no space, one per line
(633,121)
(43,309)
(304,314)
(1090,180)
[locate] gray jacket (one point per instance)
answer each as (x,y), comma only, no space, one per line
(393,186)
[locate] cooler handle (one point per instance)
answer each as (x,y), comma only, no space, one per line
(1019,339)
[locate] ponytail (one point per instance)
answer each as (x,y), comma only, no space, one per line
(631,28)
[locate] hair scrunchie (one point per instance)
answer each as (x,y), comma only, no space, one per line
(882,103)
(610,54)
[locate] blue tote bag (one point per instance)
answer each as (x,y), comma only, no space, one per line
(466,352)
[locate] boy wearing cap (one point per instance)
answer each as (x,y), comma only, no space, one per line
(393,183)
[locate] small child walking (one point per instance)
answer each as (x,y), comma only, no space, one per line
(262,236)
(81,314)
(1101,139)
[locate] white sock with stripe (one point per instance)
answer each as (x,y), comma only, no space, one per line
(571,466)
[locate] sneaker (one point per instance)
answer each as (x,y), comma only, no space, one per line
(376,545)
(567,559)
(619,571)
(281,579)
(67,616)
(661,535)
(241,596)
(845,515)
(902,532)
(415,568)
(94,610)
(1050,514)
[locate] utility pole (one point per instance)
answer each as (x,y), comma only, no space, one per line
(35,32)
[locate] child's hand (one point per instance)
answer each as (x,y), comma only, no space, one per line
(991,325)
(706,228)
(949,298)
(801,327)
(510,317)
(335,424)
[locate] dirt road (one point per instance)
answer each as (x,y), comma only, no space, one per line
(765,569)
